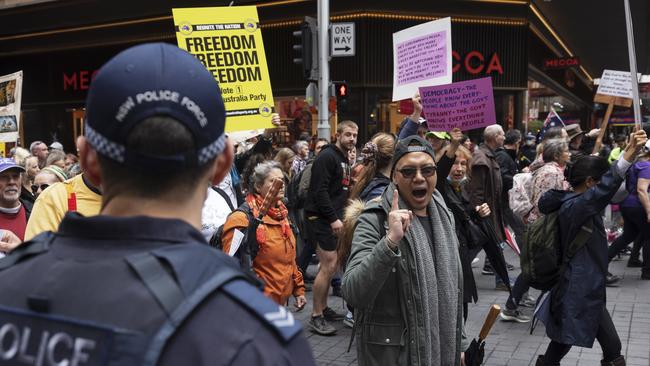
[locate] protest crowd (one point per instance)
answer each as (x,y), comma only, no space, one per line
(215,239)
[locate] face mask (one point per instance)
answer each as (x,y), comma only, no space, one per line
(462,181)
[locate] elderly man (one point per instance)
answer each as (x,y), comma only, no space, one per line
(404,275)
(13,213)
(486,185)
(39,149)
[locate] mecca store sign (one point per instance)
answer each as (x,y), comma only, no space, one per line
(61,78)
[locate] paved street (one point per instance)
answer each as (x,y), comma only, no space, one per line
(511,343)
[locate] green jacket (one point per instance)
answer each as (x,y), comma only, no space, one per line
(380,284)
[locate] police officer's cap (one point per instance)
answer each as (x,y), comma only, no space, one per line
(154,79)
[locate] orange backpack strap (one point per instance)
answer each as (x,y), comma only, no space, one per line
(72,197)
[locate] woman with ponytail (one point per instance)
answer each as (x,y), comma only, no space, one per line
(373,179)
(375,175)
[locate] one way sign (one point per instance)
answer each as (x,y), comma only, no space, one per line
(342,39)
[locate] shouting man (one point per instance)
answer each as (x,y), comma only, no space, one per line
(404,276)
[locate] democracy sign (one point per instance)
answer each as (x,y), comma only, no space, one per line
(228,41)
(10,98)
(466,105)
(421,57)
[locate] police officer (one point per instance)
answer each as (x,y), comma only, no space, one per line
(138,284)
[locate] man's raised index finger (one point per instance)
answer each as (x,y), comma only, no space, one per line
(395,205)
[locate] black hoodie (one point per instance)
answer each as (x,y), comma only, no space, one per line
(329,185)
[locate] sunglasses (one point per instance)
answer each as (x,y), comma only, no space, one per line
(409,173)
(42,187)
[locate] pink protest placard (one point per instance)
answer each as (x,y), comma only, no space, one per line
(421,57)
(467,105)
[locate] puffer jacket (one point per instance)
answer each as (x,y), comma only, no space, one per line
(275,263)
(380,285)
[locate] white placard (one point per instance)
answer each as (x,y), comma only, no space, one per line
(616,84)
(11,90)
(237,238)
(421,57)
(342,40)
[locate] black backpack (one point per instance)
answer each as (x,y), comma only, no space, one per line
(542,259)
(215,240)
(294,199)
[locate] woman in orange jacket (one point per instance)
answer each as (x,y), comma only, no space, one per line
(275,263)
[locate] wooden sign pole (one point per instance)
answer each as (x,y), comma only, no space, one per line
(611,101)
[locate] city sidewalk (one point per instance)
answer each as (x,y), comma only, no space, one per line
(511,343)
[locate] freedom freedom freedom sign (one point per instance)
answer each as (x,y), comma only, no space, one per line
(228,41)
(467,105)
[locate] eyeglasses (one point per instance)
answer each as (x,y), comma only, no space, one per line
(409,173)
(42,187)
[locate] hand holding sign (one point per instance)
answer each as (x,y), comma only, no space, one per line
(399,221)
(456,136)
(417,107)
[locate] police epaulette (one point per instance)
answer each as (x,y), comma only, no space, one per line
(277,317)
(38,245)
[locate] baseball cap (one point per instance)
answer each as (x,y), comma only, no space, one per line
(411,144)
(438,134)
(149,80)
(573,131)
(56,146)
(6,164)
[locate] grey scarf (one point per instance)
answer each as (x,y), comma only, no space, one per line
(438,282)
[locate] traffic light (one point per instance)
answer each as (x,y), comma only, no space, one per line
(342,90)
(308,48)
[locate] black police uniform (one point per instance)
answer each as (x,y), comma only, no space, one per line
(131,291)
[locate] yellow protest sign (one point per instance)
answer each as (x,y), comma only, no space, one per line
(228,41)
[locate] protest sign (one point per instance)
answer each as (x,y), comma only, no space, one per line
(228,41)
(466,105)
(616,84)
(11,87)
(421,57)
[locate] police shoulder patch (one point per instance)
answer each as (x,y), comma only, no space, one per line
(277,317)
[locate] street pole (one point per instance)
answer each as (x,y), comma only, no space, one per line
(324,69)
(633,70)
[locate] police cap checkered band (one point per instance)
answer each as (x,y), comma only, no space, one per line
(148,80)
(412,144)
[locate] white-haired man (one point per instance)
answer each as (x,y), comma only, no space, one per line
(486,185)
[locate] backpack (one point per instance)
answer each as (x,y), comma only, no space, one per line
(519,196)
(215,240)
(294,199)
(542,259)
(305,181)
